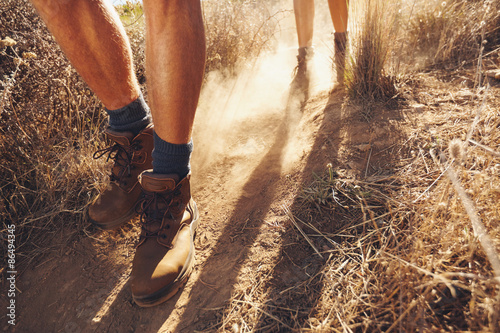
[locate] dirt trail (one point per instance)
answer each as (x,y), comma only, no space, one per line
(247,169)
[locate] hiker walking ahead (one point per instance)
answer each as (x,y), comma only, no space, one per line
(304,20)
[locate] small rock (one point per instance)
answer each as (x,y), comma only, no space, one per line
(364,147)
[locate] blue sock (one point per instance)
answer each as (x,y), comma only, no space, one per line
(171,158)
(133,117)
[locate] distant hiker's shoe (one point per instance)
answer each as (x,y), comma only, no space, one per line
(164,257)
(340,41)
(132,155)
(300,84)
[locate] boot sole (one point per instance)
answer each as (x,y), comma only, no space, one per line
(167,292)
(115,223)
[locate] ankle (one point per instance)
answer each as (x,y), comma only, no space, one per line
(169,158)
(305,53)
(133,117)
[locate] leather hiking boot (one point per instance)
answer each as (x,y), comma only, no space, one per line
(340,41)
(132,155)
(164,257)
(300,84)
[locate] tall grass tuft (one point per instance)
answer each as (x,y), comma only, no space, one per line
(366,77)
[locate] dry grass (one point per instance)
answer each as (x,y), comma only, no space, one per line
(237,32)
(417,250)
(366,76)
(453,33)
(413,250)
(49,126)
(390,40)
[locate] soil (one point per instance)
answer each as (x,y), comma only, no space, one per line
(247,247)
(244,238)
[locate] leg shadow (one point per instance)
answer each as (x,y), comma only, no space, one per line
(222,267)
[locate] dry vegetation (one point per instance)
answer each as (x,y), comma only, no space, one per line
(408,252)
(418,249)
(49,128)
(415,250)
(232,39)
(366,77)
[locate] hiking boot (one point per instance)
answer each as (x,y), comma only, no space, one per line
(132,155)
(164,257)
(300,83)
(340,41)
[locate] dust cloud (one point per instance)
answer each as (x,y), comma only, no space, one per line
(240,117)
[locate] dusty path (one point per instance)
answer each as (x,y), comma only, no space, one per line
(253,167)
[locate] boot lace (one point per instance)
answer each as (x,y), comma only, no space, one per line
(122,157)
(300,68)
(152,208)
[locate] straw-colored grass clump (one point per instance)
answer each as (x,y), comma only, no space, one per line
(48,130)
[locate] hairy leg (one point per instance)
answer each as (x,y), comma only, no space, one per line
(175,63)
(91,35)
(339,14)
(304,20)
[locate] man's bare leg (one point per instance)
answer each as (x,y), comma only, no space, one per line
(92,37)
(175,62)
(304,21)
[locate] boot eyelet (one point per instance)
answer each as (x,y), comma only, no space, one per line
(167,226)
(163,236)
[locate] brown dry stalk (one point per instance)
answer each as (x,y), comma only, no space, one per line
(478,115)
(264,312)
(479,229)
(292,218)
(486,148)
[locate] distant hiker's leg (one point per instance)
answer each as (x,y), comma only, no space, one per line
(92,37)
(299,88)
(340,40)
(339,14)
(94,40)
(304,20)
(175,61)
